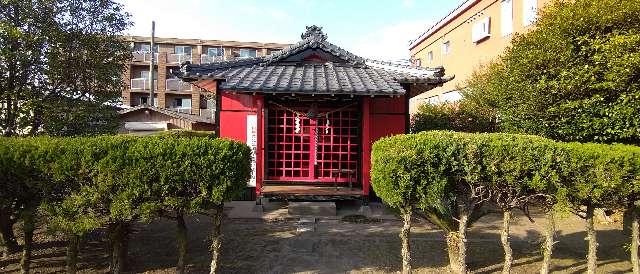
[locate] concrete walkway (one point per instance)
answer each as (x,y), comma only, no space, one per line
(278,211)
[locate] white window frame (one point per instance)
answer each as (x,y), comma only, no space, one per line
(182,50)
(180,102)
(481,29)
(529,12)
(506,17)
(219,52)
(245,51)
(430,56)
(143,47)
(446,47)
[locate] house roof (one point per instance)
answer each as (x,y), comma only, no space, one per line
(179,115)
(312,66)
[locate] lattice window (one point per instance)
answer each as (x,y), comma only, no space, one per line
(304,149)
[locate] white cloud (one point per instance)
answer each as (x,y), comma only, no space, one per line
(390,42)
(208,21)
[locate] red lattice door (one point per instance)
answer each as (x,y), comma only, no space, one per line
(320,149)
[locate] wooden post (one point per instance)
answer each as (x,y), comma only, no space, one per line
(366,145)
(260,144)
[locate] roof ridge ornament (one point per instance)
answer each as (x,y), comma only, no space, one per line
(314,32)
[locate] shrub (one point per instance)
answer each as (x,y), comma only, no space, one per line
(448,176)
(87,183)
(572,78)
(463,117)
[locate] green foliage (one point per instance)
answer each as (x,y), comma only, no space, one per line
(463,117)
(62,66)
(604,176)
(575,77)
(433,171)
(85,183)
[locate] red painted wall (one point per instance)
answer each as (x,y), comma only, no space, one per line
(382,116)
(234,109)
(233,115)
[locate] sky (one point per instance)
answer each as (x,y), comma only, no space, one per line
(378,29)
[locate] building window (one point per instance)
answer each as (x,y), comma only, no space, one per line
(214,52)
(144,47)
(433,100)
(506,19)
(481,30)
(529,12)
(144,100)
(446,47)
(186,50)
(452,96)
(430,56)
(247,53)
(418,62)
(145,74)
(182,103)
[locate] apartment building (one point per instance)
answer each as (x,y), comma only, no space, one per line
(170,92)
(474,33)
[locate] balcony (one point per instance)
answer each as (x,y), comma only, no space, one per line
(142,56)
(142,84)
(206,59)
(208,113)
(181,109)
(178,58)
(177,85)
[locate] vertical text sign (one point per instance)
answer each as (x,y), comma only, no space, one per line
(252,142)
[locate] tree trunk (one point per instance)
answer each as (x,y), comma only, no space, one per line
(627,221)
(506,245)
(8,241)
(404,238)
(635,240)
(119,237)
(549,241)
(73,245)
(592,257)
(453,244)
(216,237)
(181,239)
(462,233)
(28,228)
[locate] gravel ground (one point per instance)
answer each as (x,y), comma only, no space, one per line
(335,246)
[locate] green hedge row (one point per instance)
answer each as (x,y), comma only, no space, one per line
(81,184)
(448,177)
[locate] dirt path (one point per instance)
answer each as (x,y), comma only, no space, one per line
(334,246)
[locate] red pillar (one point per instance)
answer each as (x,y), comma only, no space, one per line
(366,145)
(260,146)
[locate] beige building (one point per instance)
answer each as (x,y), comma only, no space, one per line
(473,34)
(170,92)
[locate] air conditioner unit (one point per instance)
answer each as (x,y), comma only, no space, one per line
(481,30)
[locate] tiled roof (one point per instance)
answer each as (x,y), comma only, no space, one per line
(288,72)
(179,115)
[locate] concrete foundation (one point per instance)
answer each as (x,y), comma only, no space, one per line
(312,208)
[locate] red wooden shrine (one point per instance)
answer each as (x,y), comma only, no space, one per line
(311,114)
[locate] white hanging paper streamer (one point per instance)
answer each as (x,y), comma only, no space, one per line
(297,126)
(326,127)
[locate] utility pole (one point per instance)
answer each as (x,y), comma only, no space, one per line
(152,75)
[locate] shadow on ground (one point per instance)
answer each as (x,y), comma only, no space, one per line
(333,246)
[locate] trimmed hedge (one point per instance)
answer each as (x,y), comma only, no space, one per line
(447,176)
(86,183)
